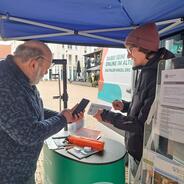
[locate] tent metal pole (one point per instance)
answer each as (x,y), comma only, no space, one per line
(25,21)
(167,22)
(128,28)
(100,37)
(179,21)
(38,36)
(109,29)
(86,33)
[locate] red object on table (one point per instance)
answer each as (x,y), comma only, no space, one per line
(82,142)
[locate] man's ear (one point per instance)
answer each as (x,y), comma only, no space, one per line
(32,64)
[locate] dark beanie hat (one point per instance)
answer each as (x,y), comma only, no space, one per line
(145,36)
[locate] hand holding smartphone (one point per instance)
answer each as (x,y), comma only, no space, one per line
(81,106)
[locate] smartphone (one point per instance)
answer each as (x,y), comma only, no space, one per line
(81,106)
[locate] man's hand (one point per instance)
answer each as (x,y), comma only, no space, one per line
(98,115)
(67,113)
(118,105)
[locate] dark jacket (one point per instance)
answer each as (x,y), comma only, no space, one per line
(138,109)
(24,124)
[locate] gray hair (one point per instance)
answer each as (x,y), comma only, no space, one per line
(26,52)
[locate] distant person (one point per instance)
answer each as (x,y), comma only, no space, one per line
(24,123)
(143,48)
(92,77)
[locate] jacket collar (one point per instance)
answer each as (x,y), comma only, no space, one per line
(17,72)
(162,54)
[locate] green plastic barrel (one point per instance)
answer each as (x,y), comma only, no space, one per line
(104,168)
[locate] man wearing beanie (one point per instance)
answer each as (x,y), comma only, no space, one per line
(143,48)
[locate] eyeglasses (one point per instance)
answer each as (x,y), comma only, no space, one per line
(129,49)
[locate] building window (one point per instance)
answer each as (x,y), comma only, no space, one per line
(69,46)
(70,59)
(76,58)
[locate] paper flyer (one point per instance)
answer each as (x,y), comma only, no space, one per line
(169,123)
(95,107)
(172,88)
(147,167)
(170,115)
(157,169)
(88,133)
(167,171)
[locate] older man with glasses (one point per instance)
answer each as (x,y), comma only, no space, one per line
(24,123)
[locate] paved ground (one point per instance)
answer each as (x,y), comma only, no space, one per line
(48,89)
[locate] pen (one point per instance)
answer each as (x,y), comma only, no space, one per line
(98,137)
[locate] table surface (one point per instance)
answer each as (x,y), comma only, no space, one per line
(113,151)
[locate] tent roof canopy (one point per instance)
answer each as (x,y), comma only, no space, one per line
(85,22)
